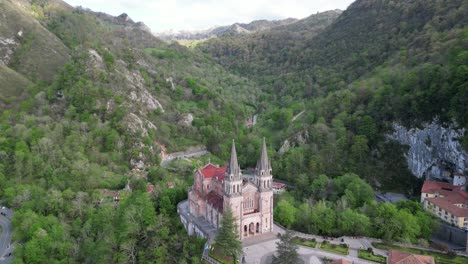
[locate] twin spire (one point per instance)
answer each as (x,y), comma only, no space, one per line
(263,164)
(233,166)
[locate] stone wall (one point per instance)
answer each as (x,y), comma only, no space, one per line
(451,234)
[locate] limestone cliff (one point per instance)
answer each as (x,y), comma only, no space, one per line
(434,151)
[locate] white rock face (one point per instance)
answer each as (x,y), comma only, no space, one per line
(433,150)
(7,46)
(139,92)
(170,80)
(186,119)
(298,139)
(96,59)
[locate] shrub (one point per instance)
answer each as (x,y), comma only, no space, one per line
(370,250)
(440,246)
(451,254)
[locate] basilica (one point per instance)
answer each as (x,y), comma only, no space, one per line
(250,199)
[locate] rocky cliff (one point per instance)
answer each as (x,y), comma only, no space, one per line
(434,151)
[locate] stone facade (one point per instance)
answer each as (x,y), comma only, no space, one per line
(217,189)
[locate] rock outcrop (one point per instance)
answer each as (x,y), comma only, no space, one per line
(434,151)
(298,139)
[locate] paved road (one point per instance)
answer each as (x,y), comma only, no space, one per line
(5,239)
(171,157)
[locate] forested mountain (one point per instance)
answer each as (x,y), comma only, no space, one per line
(88,102)
(379,62)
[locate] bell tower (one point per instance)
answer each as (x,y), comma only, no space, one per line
(233,188)
(264,181)
(263,170)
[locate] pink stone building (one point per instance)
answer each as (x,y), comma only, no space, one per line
(217,188)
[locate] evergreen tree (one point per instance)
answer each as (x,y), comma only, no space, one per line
(287,250)
(227,239)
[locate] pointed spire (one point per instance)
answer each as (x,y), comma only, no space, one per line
(233,166)
(263,163)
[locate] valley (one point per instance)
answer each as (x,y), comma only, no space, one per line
(103,123)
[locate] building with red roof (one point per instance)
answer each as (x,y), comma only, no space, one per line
(217,188)
(446,201)
(398,257)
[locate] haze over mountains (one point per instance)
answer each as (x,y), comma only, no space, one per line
(90,102)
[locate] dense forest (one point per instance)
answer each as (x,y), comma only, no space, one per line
(89,101)
(378,63)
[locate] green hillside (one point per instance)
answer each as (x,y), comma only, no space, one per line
(87,103)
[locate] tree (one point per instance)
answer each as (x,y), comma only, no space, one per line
(319,187)
(285,213)
(227,239)
(353,223)
(287,250)
(323,218)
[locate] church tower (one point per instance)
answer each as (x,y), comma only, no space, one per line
(264,181)
(233,188)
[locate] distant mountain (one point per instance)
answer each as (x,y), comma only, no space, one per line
(234,29)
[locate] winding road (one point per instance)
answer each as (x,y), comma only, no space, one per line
(5,238)
(183,155)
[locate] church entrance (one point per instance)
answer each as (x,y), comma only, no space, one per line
(245,230)
(251,229)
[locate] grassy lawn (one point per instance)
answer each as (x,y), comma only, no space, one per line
(304,242)
(439,257)
(341,249)
(216,254)
(369,256)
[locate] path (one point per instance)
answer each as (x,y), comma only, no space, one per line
(5,239)
(184,155)
(259,249)
(296,116)
(259,253)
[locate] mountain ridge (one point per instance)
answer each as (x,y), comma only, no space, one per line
(233,29)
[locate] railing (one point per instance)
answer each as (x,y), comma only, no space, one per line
(206,254)
(210,259)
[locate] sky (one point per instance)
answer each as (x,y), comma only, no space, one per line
(176,15)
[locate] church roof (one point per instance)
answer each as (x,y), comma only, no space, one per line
(210,171)
(264,163)
(398,257)
(248,185)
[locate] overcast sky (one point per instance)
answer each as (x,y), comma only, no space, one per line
(164,15)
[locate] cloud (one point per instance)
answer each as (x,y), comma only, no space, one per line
(163,15)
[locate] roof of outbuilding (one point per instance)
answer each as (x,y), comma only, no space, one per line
(398,257)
